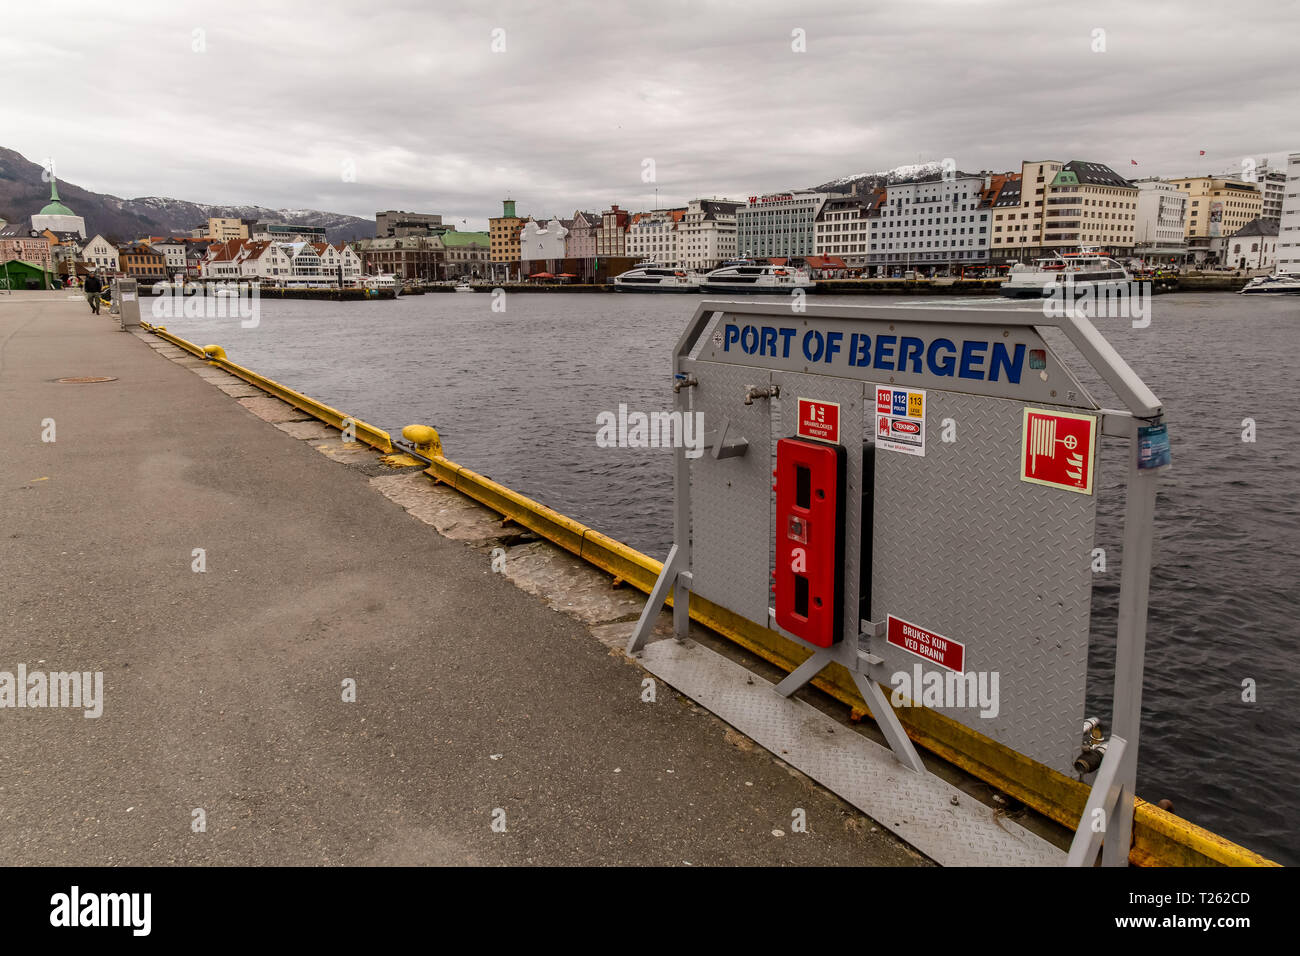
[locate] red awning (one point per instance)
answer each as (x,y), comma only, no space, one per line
(541,275)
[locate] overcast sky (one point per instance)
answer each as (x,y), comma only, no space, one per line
(358,106)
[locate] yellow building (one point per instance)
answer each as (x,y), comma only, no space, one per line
(1057,206)
(219,229)
(503,233)
(1218,206)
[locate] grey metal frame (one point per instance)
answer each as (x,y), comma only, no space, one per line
(1114,785)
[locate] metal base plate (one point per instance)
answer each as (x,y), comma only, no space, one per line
(919,808)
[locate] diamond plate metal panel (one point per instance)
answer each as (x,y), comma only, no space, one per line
(731,513)
(966,549)
(950,827)
(849,394)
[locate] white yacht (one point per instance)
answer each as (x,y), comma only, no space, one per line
(655,277)
(747,276)
(1084,268)
(463,285)
(1272,285)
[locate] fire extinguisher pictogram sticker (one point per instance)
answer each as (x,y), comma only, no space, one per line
(1057,449)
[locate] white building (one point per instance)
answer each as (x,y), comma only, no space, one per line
(337,260)
(101,253)
(1160,229)
(653,236)
(171,249)
(843,230)
(706,234)
(542,241)
(276,263)
(1288,236)
(782,225)
(932,223)
(1252,248)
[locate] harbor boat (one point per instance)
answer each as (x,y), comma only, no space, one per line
(1275,284)
(1085,268)
(463,285)
(656,277)
(749,277)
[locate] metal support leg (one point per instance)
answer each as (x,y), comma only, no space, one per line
(889,723)
(1105,796)
(804,672)
(658,594)
(682,605)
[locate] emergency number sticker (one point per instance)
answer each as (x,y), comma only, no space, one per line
(900,419)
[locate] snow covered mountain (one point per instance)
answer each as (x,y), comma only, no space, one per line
(23,192)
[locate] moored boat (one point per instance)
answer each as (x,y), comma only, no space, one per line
(749,277)
(1085,268)
(655,277)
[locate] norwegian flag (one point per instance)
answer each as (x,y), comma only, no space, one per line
(1133,161)
(1202,152)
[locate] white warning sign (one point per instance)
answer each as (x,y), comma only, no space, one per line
(900,419)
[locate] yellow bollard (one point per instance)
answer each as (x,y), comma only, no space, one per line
(214,353)
(425,440)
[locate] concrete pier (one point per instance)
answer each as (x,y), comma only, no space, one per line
(223,688)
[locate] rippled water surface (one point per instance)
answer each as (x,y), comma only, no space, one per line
(515,396)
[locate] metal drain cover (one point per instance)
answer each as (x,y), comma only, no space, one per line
(86,379)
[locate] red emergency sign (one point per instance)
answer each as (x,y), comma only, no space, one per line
(927,645)
(819,420)
(1056,449)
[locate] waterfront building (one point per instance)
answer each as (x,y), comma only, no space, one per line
(171,248)
(932,223)
(1288,236)
(581,241)
(101,254)
(542,244)
(1063,207)
(466,254)
(287,232)
(18,243)
(706,234)
(65,247)
(1217,206)
(1253,247)
(1272,186)
(654,236)
(611,235)
(407,257)
(395,222)
(779,224)
(339,262)
(1160,228)
(136,259)
(843,229)
(58,218)
(503,236)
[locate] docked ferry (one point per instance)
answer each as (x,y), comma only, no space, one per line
(747,276)
(655,277)
(1272,285)
(1084,268)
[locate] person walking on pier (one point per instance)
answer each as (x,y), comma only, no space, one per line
(92,289)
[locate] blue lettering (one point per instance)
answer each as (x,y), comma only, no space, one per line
(945,365)
(885,351)
(811,336)
(909,350)
(732,335)
(1002,360)
(972,364)
(859,349)
(749,340)
(786,335)
(769,341)
(832,344)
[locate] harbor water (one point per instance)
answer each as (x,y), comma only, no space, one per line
(515,395)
